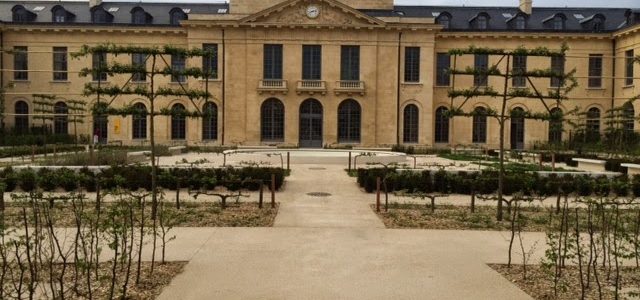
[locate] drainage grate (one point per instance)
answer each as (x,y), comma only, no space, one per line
(318,194)
(317,169)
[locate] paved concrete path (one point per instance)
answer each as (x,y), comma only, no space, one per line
(336,248)
(344,207)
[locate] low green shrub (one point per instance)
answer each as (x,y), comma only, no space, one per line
(139,177)
(486,182)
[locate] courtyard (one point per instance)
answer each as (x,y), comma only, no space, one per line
(322,236)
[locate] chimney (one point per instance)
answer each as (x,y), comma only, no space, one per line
(526,6)
(93,3)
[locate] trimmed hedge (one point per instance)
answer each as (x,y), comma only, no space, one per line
(427,181)
(139,177)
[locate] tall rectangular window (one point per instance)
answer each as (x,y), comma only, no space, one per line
(412,64)
(311,62)
(60,64)
(210,61)
(350,63)
(139,60)
(595,70)
(272,61)
(557,66)
(178,64)
(519,67)
(481,63)
(20,63)
(99,61)
(443,64)
(628,59)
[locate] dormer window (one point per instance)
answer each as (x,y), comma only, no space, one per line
(444,19)
(100,16)
(176,16)
(22,15)
(480,21)
(139,16)
(633,16)
(558,22)
(598,24)
(520,22)
(61,15)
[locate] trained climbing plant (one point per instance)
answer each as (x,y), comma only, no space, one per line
(524,90)
(155,64)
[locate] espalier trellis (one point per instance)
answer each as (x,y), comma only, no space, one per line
(155,64)
(44,110)
(503,69)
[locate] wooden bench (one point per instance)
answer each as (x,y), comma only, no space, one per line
(632,169)
(593,165)
(176,150)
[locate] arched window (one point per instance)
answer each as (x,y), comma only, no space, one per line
(99,15)
(558,22)
(139,16)
(629,117)
(411,124)
(61,119)
(61,15)
(444,19)
(176,15)
(178,122)
(517,128)
(19,14)
(22,117)
(210,121)
(479,132)
(349,116)
(139,120)
(555,125)
(442,125)
(597,24)
(482,21)
(593,123)
(272,120)
(520,22)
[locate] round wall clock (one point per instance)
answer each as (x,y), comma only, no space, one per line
(313,11)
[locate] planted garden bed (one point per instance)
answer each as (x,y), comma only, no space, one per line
(540,286)
(190,214)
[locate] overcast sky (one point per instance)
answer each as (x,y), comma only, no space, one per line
(541,3)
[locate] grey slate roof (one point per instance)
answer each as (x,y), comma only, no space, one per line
(81,10)
(460,16)
(614,17)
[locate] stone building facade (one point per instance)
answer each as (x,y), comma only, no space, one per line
(314,73)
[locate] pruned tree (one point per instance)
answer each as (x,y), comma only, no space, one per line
(155,64)
(527,90)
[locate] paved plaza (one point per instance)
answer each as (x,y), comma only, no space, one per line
(335,247)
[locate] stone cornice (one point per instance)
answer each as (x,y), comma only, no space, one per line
(523,35)
(387,26)
(94,28)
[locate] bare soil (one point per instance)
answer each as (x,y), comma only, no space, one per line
(190,214)
(459,217)
(540,285)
